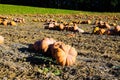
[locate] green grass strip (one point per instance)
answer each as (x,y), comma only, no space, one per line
(17,9)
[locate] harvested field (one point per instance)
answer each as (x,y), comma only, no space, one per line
(98,55)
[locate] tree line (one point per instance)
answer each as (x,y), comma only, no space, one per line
(86,5)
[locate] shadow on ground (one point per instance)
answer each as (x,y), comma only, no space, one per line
(37,57)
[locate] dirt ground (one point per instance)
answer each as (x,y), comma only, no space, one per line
(98,55)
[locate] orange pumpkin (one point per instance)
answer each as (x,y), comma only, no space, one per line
(1,39)
(113,24)
(35,20)
(102,31)
(43,44)
(75,27)
(61,26)
(5,22)
(107,25)
(1,20)
(67,27)
(64,54)
(13,23)
(86,22)
(96,22)
(117,28)
(56,23)
(100,24)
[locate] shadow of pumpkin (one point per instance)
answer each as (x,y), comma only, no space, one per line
(37,57)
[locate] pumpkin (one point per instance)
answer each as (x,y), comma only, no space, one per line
(13,23)
(101,24)
(117,28)
(75,27)
(102,31)
(64,54)
(67,27)
(1,39)
(96,29)
(56,24)
(107,25)
(61,21)
(43,44)
(1,21)
(51,25)
(76,21)
(65,23)
(86,22)
(20,20)
(5,22)
(35,20)
(96,22)
(61,26)
(113,24)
